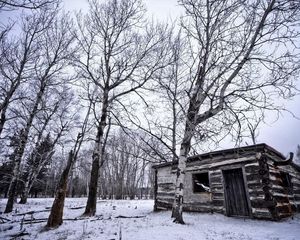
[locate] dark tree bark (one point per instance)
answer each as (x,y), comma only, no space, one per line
(90,208)
(56,215)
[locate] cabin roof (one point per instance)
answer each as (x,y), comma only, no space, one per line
(252,148)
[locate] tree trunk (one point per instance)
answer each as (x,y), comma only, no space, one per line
(87,187)
(28,185)
(11,193)
(25,193)
(90,209)
(2,119)
(180,172)
(56,215)
(71,190)
(16,171)
(178,201)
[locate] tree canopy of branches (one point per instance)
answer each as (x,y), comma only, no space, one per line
(120,53)
(8,5)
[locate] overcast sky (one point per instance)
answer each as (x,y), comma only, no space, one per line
(283,134)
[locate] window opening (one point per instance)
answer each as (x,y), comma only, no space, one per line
(201,182)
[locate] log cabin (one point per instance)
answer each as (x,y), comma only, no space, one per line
(253,182)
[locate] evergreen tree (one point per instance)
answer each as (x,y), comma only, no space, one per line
(7,167)
(36,168)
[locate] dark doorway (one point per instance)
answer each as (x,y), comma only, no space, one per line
(235,194)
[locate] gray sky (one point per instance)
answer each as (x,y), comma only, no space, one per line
(160,9)
(283,134)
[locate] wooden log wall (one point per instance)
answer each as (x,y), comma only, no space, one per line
(288,200)
(257,177)
(264,189)
(203,202)
(217,190)
(165,188)
(206,201)
(214,166)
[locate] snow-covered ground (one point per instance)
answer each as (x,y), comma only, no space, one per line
(145,224)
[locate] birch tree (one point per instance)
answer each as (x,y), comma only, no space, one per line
(17,56)
(17,50)
(48,78)
(33,26)
(243,57)
(120,54)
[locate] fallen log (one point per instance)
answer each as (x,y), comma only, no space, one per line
(40,220)
(99,217)
(121,216)
(4,220)
(74,208)
(31,212)
(34,221)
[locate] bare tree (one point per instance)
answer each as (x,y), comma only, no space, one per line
(253,129)
(48,77)
(120,54)
(39,160)
(243,58)
(17,60)
(16,51)
(166,125)
(56,215)
(31,27)
(163,117)
(123,174)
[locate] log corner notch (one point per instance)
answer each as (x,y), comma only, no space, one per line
(288,160)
